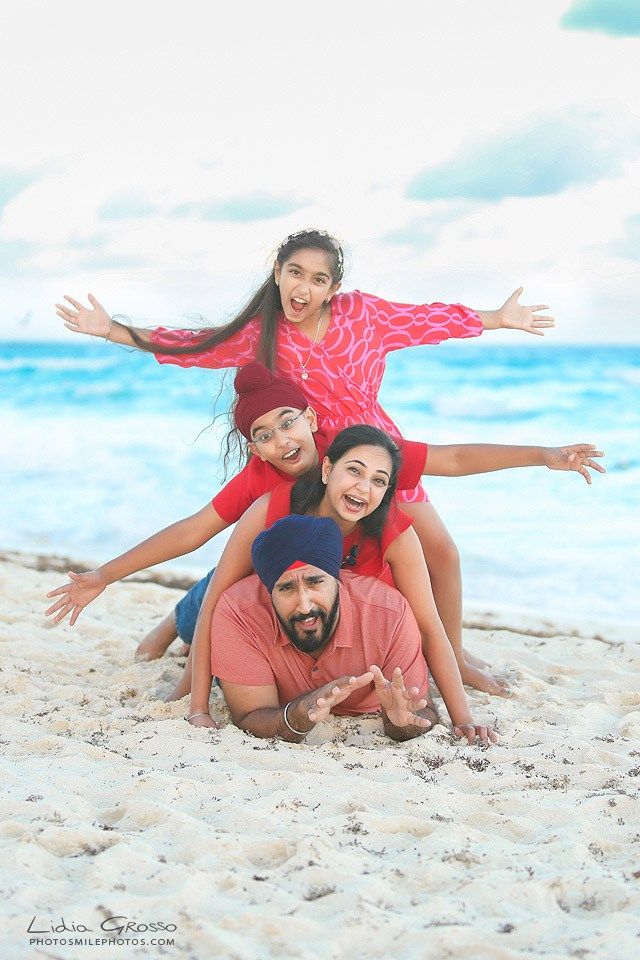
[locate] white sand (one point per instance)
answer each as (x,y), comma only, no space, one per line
(348,846)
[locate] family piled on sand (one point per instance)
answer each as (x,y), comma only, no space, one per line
(339,589)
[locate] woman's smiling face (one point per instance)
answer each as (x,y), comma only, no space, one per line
(305,284)
(357,482)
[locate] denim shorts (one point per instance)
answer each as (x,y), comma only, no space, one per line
(188,608)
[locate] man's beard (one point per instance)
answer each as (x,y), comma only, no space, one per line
(312,642)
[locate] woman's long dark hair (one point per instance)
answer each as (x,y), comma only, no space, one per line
(309,489)
(265,302)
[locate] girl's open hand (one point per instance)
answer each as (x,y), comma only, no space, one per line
(74,596)
(577,457)
(81,319)
(472,730)
(514,316)
(203,720)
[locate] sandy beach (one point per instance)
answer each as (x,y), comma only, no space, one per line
(347,846)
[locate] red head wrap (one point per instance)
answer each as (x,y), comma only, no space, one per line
(259,391)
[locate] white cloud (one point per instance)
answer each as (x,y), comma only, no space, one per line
(339,106)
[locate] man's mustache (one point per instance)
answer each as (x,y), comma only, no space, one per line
(299,617)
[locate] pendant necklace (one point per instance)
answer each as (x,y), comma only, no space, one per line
(303,366)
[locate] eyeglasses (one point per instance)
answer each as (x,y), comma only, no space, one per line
(267,436)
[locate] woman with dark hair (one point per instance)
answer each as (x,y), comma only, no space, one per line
(334,345)
(354,486)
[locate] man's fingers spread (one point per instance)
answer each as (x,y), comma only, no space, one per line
(363,680)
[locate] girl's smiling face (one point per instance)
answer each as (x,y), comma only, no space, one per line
(356,483)
(305,284)
(284,438)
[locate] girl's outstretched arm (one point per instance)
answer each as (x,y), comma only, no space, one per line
(235,563)
(97,322)
(464,459)
(513,316)
(411,576)
(174,541)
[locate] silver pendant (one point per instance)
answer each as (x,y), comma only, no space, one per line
(304,375)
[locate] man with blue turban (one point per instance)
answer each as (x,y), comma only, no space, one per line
(302,639)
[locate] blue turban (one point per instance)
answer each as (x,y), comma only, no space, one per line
(314,540)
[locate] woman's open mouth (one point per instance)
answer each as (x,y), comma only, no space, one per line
(354,504)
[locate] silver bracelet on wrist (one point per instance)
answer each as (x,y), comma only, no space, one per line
(298,733)
(111,323)
(192,716)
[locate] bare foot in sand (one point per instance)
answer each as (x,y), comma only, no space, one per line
(483,680)
(158,640)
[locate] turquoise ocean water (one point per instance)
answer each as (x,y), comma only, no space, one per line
(102,446)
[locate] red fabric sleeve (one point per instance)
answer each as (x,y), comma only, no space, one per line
(414,457)
(410,325)
(234,498)
(405,651)
(279,503)
(397,523)
(238,349)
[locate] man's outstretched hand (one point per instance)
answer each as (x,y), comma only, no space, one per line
(400,705)
(317,705)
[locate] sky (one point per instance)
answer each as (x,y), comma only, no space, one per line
(156,153)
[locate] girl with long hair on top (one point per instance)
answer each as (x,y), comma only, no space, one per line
(334,345)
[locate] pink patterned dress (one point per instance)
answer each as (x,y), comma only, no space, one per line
(345,369)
